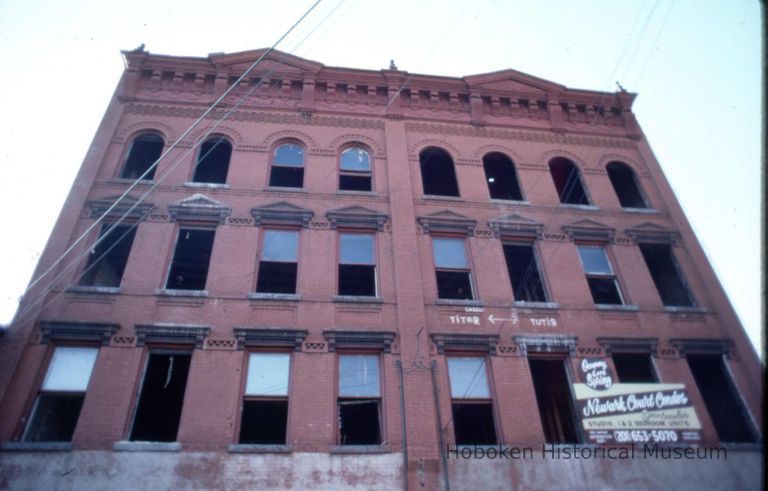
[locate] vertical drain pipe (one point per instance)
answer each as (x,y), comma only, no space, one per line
(402,422)
(443,456)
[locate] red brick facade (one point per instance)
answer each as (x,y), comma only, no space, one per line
(324,110)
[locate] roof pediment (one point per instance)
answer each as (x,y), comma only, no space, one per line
(275,60)
(512,81)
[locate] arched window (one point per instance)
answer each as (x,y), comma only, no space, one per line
(213,161)
(567,180)
(145,150)
(355,169)
(288,166)
(501,177)
(437,173)
(625,184)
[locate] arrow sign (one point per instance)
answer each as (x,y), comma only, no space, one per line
(493,319)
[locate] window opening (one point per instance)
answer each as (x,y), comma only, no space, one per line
(357,265)
(634,368)
(625,184)
(524,273)
(501,177)
(265,407)
(451,268)
(666,275)
(278,266)
(359,400)
(213,161)
(438,175)
(107,260)
(145,150)
(471,402)
(355,170)
(600,276)
(550,382)
(191,258)
(567,180)
(288,166)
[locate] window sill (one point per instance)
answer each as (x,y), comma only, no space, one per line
(356,193)
(579,207)
(358,449)
(356,299)
(647,211)
(105,290)
(522,304)
(36,447)
(442,198)
(452,301)
(511,202)
(625,308)
(166,292)
(684,310)
(280,188)
(290,297)
(259,448)
(207,185)
(127,180)
(125,446)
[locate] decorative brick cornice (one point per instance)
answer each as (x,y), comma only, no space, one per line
(171,334)
(89,332)
(650,233)
(629,344)
(485,343)
(447,221)
(357,217)
(516,226)
(281,213)
(283,338)
(543,343)
(589,230)
(375,340)
(712,346)
(128,207)
(199,208)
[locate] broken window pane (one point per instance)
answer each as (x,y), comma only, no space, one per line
(107,260)
(278,267)
(524,273)
(288,166)
(268,374)
(161,399)
(359,375)
(568,182)
(473,423)
(145,150)
(728,413)
(357,265)
(600,278)
(355,170)
(553,396)
(634,368)
(264,422)
(666,275)
(438,175)
(625,184)
(451,269)
(501,177)
(189,268)
(213,161)
(359,400)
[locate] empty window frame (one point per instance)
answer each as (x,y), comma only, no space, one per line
(634,368)
(107,260)
(161,397)
(567,181)
(625,184)
(452,268)
(355,170)
(287,166)
(57,406)
(213,161)
(359,401)
(438,175)
(278,266)
(553,395)
(666,275)
(523,268)
(265,406)
(471,402)
(191,258)
(501,177)
(724,405)
(145,150)
(600,276)
(357,265)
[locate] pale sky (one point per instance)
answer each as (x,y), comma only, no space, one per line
(696,66)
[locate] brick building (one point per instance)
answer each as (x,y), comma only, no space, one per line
(341,272)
